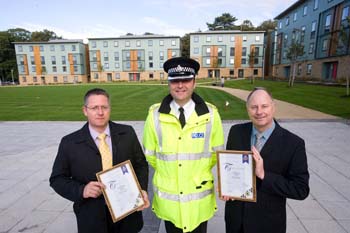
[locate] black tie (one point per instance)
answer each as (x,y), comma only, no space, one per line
(182,117)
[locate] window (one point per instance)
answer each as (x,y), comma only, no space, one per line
(150,65)
(106,65)
(295,16)
(54,69)
(24,79)
(116,65)
(63,60)
(161,55)
(299,69)
(62,47)
(30,48)
(75,59)
(21,69)
(208,50)
(280,25)
(302,34)
(232,61)
(208,39)
(53,60)
(308,68)
(93,44)
(311,48)
(345,13)
(105,43)
(127,64)
(95,75)
(313,30)
(315,4)
(65,79)
(232,72)
(94,66)
(220,52)
(161,43)
(195,50)
(138,43)
(55,79)
(116,43)
(255,72)
(173,54)
(287,21)
(139,55)
(232,39)
(207,61)
(325,45)
(256,61)
(20,48)
(327,23)
(116,56)
(42,59)
(305,10)
(127,55)
(117,76)
(52,48)
(64,68)
(219,38)
(244,38)
(257,38)
(35,79)
(150,76)
(256,51)
(244,51)
(105,56)
(196,39)
(150,55)
(150,42)
(33,69)
(127,43)
(161,64)
(232,51)
(173,43)
(244,61)
(285,40)
(41,48)
(161,75)
(32,61)
(73,47)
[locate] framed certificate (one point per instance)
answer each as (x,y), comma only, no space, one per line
(236,175)
(123,192)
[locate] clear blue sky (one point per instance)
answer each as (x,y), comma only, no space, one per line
(81,19)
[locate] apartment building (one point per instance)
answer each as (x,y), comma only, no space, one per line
(234,54)
(131,58)
(52,62)
(322,27)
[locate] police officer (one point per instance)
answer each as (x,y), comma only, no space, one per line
(180,138)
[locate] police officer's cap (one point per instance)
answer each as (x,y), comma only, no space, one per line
(181,68)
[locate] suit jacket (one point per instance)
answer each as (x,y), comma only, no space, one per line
(286,176)
(76,164)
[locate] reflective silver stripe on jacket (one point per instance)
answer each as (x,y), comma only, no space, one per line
(222,147)
(159,130)
(183,156)
(182,197)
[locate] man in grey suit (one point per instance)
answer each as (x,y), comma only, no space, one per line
(79,159)
(281,169)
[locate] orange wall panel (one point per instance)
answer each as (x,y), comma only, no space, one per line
(71,65)
(238,51)
(37,60)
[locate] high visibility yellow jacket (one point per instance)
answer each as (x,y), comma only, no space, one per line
(182,159)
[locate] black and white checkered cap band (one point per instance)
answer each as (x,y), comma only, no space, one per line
(180,77)
(180,69)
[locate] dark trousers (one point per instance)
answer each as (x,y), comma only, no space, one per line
(171,228)
(117,227)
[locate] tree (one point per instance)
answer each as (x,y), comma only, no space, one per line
(19,35)
(247,25)
(224,22)
(267,25)
(185,45)
(45,35)
(295,50)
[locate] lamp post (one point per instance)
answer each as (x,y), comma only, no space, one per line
(13,81)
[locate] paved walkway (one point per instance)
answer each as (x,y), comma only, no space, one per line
(28,204)
(284,110)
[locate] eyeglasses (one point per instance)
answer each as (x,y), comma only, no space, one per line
(97,108)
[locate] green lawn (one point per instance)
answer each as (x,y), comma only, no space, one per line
(129,102)
(327,99)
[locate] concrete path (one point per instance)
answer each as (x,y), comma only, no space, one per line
(284,110)
(29,205)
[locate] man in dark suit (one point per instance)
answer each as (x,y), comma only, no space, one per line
(79,159)
(281,169)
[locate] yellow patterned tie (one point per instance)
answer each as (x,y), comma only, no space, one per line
(106,154)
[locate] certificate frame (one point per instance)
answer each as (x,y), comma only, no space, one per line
(236,175)
(122,194)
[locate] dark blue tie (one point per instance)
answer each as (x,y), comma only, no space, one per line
(182,117)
